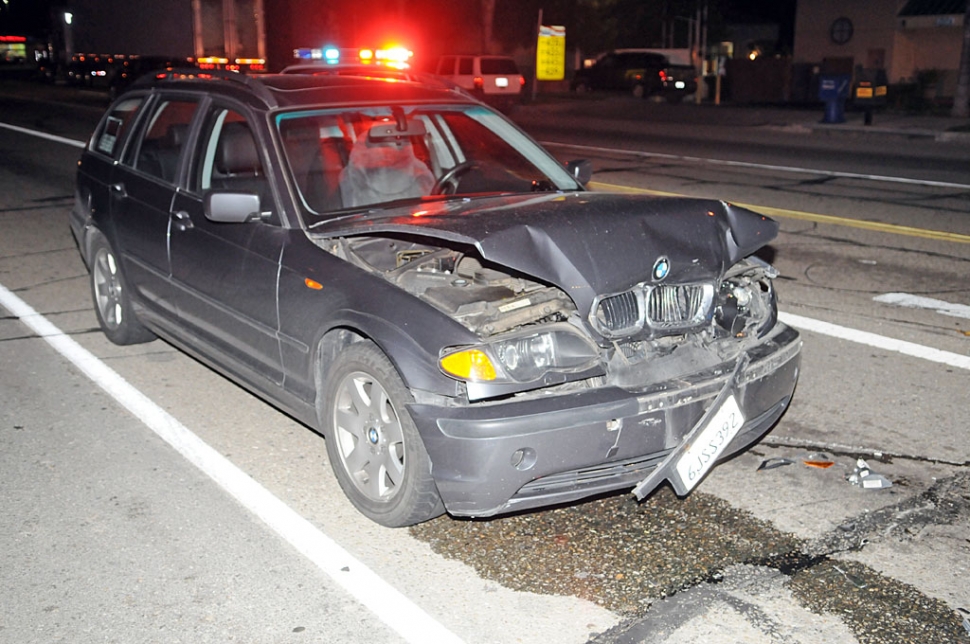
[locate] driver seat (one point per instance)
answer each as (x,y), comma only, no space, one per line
(381,169)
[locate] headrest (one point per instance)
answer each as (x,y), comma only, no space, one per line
(175,135)
(237,152)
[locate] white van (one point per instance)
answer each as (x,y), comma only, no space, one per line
(493,79)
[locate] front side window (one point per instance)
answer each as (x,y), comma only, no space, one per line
(369,157)
(446,65)
(161,147)
(228,157)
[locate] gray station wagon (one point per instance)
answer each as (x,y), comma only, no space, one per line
(401,268)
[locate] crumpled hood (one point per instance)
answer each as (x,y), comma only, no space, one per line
(585,243)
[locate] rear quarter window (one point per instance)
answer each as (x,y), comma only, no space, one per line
(112,132)
(499,66)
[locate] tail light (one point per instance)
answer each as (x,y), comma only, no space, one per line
(479,83)
(663,76)
(521,81)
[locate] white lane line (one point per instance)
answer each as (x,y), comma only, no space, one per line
(877,341)
(393,608)
(921,302)
(44,135)
(762,166)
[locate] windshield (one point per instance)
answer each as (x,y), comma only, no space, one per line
(368,157)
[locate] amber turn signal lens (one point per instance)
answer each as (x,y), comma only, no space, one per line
(470,364)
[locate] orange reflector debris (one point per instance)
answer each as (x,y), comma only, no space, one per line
(822,465)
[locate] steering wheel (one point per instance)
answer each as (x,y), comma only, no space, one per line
(452,177)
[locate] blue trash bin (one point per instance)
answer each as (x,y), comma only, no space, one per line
(833,89)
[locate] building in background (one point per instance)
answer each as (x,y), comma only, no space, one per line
(915,41)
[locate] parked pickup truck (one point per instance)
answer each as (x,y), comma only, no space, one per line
(644,74)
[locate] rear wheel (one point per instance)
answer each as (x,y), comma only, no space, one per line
(112,301)
(373,445)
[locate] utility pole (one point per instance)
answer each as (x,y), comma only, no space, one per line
(699,56)
(961,101)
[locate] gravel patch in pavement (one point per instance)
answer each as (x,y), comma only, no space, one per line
(626,556)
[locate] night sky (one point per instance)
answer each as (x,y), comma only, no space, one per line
(433,26)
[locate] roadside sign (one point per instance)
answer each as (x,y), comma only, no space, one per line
(551,53)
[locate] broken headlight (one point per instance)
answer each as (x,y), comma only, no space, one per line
(521,357)
(746,299)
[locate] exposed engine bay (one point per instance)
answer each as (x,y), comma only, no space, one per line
(485,300)
(489,301)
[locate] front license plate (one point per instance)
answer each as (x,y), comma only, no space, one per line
(501,82)
(710,443)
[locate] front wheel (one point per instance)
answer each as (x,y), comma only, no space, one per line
(373,445)
(112,301)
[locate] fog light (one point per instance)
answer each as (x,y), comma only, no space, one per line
(524,459)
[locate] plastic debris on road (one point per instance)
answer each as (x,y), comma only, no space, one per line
(852,579)
(772,463)
(865,478)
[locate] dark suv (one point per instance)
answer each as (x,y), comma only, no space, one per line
(643,74)
(400,267)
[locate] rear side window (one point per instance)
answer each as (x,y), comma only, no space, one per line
(465,65)
(161,147)
(499,66)
(110,137)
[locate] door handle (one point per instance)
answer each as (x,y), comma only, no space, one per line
(183,221)
(119,190)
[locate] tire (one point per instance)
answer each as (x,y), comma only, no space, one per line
(112,301)
(373,445)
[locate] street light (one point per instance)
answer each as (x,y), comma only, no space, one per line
(68,37)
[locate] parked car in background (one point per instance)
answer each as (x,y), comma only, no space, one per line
(400,267)
(116,73)
(493,79)
(644,74)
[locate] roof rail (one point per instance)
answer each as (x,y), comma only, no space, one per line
(194,73)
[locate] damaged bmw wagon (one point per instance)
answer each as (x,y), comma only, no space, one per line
(401,268)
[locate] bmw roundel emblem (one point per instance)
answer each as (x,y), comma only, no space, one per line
(661,268)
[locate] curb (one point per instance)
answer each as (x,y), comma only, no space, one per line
(905,133)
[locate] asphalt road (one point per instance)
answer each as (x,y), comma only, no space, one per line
(108,534)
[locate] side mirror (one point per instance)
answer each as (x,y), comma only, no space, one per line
(232,207)
(581,169)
